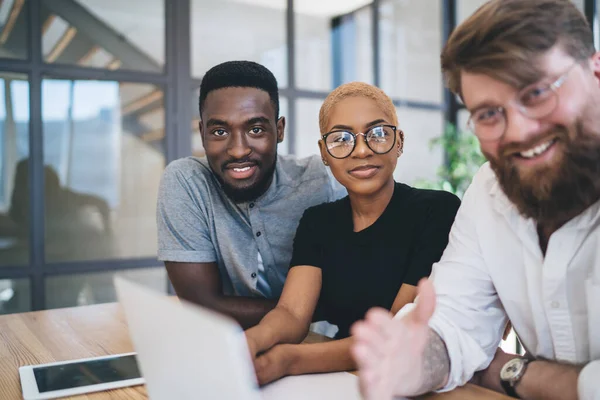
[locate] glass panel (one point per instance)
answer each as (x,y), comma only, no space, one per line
(103,156)
(228,30)
(419,162)
(510,345)
(580,4)
(464,8)
(15,296)
(109,34)
(411,43)
(14,29)
(307,126)
(333,43)
(198,149)
(14,174)
(96,288)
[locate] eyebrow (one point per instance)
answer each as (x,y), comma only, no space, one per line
(376,122)
(251,121)
(258,120)
(482,105)
(214,121)
(349,128)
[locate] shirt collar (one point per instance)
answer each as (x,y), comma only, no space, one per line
(501,203)
(280,177)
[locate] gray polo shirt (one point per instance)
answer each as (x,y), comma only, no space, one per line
(198,223)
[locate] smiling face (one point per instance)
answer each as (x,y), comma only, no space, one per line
(363,171)
(240,134)
(548,167)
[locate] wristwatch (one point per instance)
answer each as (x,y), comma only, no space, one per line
(511,374)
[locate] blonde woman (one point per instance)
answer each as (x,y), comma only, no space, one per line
(368,249)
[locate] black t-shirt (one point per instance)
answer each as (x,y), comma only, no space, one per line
(365,269)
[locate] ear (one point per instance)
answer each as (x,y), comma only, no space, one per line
(201,129)
(400,140)
(280,129)
(595,66)
(324,154)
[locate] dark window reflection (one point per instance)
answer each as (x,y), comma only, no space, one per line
(103,156)
(14,151)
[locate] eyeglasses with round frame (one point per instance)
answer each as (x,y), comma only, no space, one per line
(341,143)
(535,101)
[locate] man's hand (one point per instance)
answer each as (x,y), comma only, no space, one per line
(400,357)
(274,363)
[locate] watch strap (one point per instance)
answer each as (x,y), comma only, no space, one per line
(509,389)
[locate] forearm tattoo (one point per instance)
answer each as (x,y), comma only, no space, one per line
(436,364)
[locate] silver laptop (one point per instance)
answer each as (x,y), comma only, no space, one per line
(189,352)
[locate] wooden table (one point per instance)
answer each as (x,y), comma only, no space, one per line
(91,331)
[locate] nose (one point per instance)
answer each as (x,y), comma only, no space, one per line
(238,146)
(361,150)
(519,127)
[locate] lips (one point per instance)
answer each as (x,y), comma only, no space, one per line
(364,171)
(242,170)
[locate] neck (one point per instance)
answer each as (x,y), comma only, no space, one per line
(367,208)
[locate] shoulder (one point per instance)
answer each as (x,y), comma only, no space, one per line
(187,168)
(484,189)
(310,167)
(326,213)
(311,175)
(428,202)
(485,179)
(186,178)
(300,170)
(429,196)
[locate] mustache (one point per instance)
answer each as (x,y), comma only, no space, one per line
(510,149)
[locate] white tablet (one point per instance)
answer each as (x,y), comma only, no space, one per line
(70,378)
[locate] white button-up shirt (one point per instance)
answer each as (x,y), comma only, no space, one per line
(494,270)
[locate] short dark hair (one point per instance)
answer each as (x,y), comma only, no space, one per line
(503,38)
(239,74)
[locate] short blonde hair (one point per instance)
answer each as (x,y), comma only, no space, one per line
(356,89)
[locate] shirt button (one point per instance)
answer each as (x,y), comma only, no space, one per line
(251,205)
(258,234)
(555,304)
(253,275)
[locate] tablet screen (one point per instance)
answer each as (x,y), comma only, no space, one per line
(85,373)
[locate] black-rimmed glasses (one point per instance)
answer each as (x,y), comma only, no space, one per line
(380,139)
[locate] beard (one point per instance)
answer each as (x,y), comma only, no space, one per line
(252,192)
(560,190)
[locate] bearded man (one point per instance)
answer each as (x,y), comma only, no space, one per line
(226,221)
(525,245)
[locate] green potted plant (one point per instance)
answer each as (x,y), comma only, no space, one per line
(463,159)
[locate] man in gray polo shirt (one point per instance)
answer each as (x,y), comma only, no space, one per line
(226,222)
